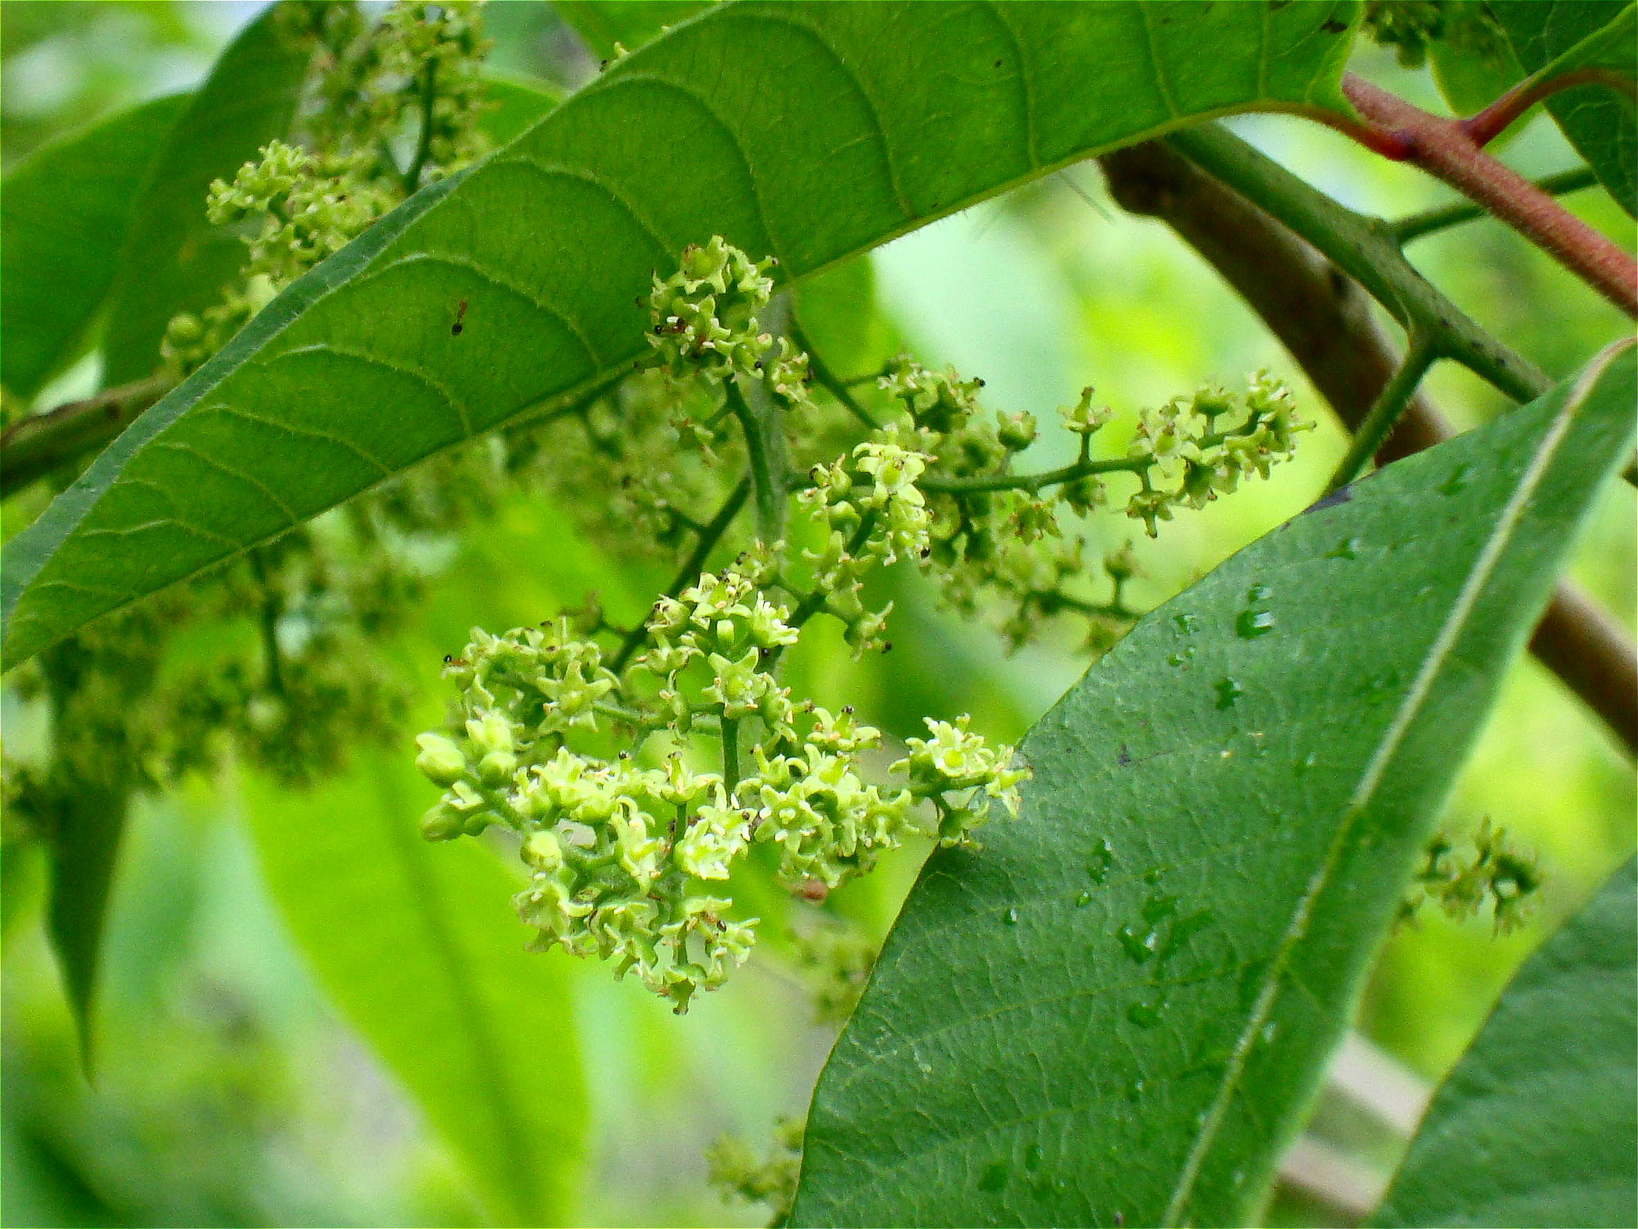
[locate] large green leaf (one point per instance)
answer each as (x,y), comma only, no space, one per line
(1116,1012)
(1538,1123)
(64,214)
(1600,122)
(809,131)
(174,260)
(418,947)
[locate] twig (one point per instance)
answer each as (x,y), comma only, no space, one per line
(1445,148)
(1378,424)
(1442,217)
(34,446)
(1323,319)
(763,441)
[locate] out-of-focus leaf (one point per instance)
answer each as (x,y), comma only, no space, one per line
(419,948)
(1117,1011)
(1600,122)
(631,23)
(808,131)
(64,214)
(1538,1123)
(174,260)
(1471,82)
(515,104)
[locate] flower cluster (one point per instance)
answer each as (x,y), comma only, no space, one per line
(413,74)
(996,531)
(307,207)
(629,853)
(735,1168)
(705,321)
(1462,877)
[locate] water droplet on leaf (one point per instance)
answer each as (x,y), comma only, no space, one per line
(994,1176)
(1032,1157)
(1083,900)
(1348,548)
(1228,691)
(1254,623)
(1103,857)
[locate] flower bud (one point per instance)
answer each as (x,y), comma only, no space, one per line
(440,760)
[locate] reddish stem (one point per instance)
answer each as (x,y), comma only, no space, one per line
(1495,119)
(1444,148)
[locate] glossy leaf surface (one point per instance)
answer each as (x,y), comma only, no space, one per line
(1538,1123)
(64,214)
(1115,1013)
(418,946)
(1601,122)
(808,131)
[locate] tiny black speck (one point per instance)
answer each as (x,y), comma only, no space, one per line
(456,329)
(1125,756)
(1334,26)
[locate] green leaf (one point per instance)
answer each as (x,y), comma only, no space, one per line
(419,948)
(631,23)
(1536,1125)
(64,214)
(174,260)
(1117,1011)
(809,131)
(515,105)
(1600,122)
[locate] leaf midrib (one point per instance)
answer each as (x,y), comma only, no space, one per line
(1376,769)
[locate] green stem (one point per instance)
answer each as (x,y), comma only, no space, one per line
(269,622)
(730,753)
(423,146)
(1364,248)
(1385,412)
(764,447)
(837,387)
(945,485)
(1431,221)
(690,569)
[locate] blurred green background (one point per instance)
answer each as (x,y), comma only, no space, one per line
(230,1091)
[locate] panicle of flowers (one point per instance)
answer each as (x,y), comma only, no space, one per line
(995,531)
(414,74)
(630,845)
(705,321)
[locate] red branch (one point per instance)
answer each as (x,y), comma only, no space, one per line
(1446,148)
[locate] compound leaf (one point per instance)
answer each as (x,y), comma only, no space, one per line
(808,131)
(1536,1125)
(64,214)
(1116,1012)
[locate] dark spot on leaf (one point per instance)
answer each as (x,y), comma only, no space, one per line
(1333,26)
(1125,756)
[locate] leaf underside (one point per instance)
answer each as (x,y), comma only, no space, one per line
(806,131)
(1538,1123)
(1117,1011)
